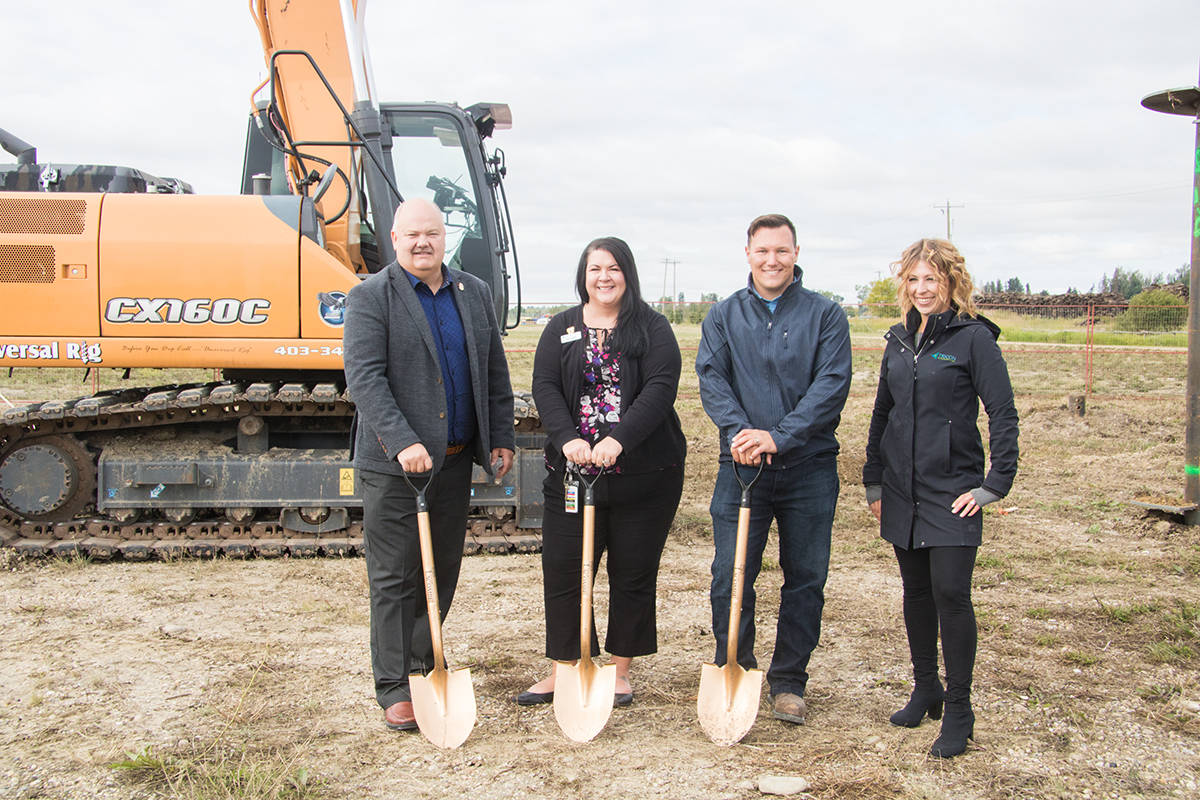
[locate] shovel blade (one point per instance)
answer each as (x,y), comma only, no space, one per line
(583,698)
(728,701)
(444,705)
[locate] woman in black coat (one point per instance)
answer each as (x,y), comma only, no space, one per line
(605,378)
(925,477)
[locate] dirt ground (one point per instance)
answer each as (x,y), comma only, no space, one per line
(1086,681)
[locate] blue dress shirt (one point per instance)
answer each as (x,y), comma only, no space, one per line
(450,340)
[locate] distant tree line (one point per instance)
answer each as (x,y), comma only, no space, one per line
(681,311)
(1126,282)
(1130,282)
(1011,285)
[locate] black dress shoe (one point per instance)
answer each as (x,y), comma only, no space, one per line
(534,698)
(622,699)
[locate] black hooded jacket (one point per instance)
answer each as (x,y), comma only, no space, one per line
(924,447)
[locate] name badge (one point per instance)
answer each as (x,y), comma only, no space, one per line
(570,336)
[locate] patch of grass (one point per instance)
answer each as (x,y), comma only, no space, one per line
(73,561)
(10,560)
(1045,640)
(1039,612)
(1182,623)
(1124,338)
(1159,693)
(1125,614)
(988,620)
(229,767)
(1080,658)
(989,561)
(221,772)
(1170,653)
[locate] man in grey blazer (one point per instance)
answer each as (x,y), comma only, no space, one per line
(427,372)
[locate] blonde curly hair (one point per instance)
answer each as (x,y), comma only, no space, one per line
(951,267)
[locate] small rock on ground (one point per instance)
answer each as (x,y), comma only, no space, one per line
(782,784)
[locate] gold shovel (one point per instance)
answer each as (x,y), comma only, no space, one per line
(729,696)
(444,700)
(583,692)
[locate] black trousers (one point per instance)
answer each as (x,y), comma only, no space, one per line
(937,593)
(633,516)
(400,637)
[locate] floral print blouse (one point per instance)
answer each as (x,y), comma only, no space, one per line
(600,398)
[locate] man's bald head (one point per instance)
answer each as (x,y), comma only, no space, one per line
(419,238)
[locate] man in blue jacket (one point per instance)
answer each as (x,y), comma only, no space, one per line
(774,369)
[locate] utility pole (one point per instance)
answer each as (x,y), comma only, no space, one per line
(674,287)
(666,261)
(672,263)
(946,210)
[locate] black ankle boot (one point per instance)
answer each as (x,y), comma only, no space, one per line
(924,700)
(957,727)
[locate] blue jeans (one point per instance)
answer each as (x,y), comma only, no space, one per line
(802,501)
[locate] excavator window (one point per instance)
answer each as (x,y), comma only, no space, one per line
(429,159)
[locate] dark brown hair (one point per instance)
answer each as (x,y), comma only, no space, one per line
(631,336)
(770,221)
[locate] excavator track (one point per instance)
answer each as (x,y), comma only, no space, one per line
(52,458)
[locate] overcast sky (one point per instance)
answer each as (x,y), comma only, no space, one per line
(672,124)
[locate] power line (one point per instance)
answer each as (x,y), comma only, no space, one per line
(1078,198)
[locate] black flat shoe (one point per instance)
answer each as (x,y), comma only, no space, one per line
(534,698)
(622,699)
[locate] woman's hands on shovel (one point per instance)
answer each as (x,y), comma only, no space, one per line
(603,455)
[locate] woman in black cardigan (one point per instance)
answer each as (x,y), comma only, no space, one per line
(925,477)
(605,378)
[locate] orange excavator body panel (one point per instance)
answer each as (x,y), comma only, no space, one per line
(174,281)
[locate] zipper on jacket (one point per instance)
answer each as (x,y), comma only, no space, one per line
(912,487)
(917,354)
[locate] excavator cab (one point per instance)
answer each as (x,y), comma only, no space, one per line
(430,150)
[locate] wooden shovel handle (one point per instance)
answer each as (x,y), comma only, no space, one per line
(433,609)
(585,585)
(432,606)
(739,584)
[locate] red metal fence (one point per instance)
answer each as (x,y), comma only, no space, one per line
(1110,350)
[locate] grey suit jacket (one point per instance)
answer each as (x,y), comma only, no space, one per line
(395,378)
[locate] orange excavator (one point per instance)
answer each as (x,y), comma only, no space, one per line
(109,267)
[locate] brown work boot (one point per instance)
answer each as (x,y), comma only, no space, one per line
(789,707)
(400,717)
